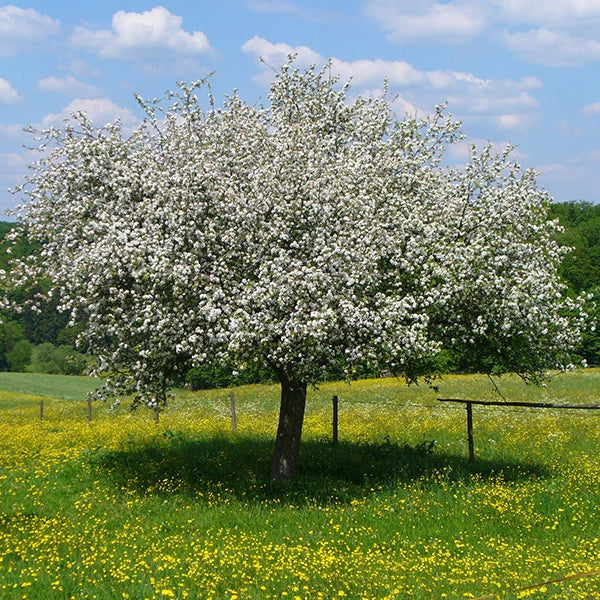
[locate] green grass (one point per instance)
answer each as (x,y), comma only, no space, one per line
(51,386)
(123,507)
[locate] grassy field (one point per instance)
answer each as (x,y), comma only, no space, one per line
(123,507)
(51,386)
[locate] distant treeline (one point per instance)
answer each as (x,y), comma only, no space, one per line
(42,341)
(36,340)
(581,267)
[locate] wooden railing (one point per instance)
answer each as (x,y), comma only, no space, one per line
(469,406)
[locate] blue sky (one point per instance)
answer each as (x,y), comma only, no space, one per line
(519,71)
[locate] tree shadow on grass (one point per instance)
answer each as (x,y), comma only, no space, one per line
(237,467)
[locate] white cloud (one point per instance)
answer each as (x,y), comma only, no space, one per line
(445,23)
(82,68)
(68,85)
(562,179)
(362,72)
(8,94)
(12,131)
(542,13)
(552,48)
(557,33)
(560,33)
(99,110)
(276,54)
(484,95)
(510,121)
(507,103)
(20,29)
(400,105)
(577,172)
(366,72)
(591,110)
(12,162)
(149,34)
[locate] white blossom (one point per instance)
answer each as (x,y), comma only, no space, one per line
(308,233)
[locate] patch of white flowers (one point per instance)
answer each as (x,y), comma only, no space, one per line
(309,233)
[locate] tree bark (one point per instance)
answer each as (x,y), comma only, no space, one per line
(289,431)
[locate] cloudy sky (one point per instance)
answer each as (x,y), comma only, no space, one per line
(520,71)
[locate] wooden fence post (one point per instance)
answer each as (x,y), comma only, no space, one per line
(89,409)
(233,415)
(335,420)
(156,413)
(41,410)
(470,431)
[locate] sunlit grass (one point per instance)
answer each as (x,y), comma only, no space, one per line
(53,386)
(123,507)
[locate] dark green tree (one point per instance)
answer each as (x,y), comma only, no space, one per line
(580,268)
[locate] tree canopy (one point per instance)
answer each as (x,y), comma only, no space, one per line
(581,223)
(317,230)
(581,266)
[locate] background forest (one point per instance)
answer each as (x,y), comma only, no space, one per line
(42,341)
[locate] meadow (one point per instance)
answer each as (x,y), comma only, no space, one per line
(123,507)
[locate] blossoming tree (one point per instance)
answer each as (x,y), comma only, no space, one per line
(314,232)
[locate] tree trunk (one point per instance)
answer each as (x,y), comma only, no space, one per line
(289,431)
